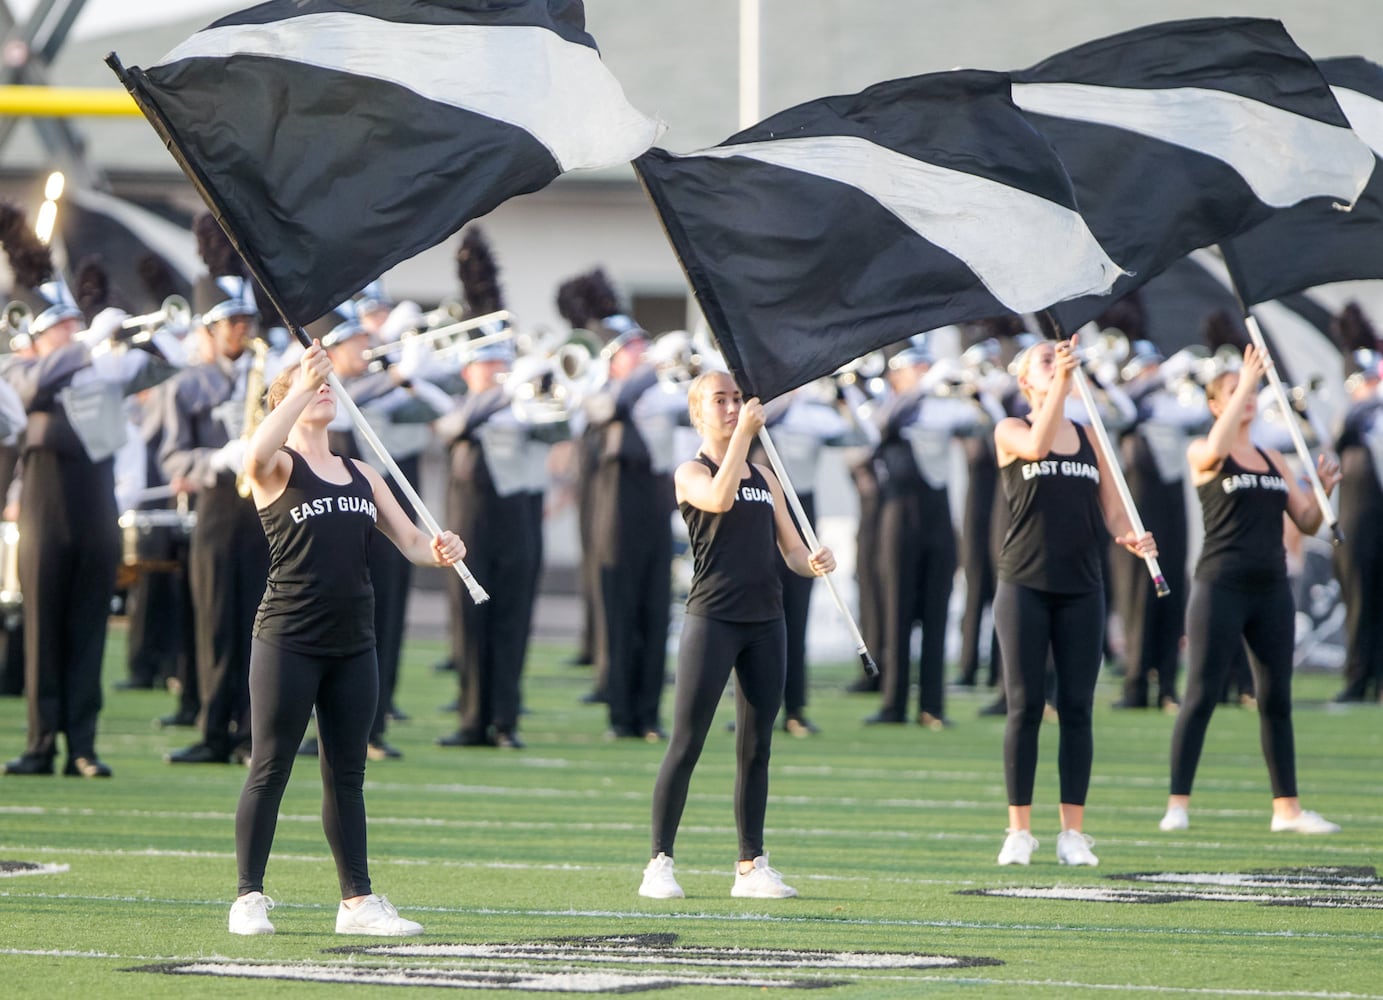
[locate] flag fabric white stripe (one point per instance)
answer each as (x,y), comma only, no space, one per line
(176,245)
(1285,158)
(557,91)
(964,214)
(1365,116)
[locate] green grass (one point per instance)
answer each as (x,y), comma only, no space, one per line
(886,831)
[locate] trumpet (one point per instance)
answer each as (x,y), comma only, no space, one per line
(450,311)
(175,313)
(452,331)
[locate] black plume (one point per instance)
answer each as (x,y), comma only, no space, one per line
(1352,330)
(586,298)
(479,274)
(1219,329)
(30,260)
(157,277)
(215,248)
(92,290)
(1126,316)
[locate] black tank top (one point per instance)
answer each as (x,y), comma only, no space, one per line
(319,598)
(735,555)
(1243,525)
(1056,528)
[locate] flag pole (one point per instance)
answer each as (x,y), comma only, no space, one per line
(871,669)
(152,115)
(1112,461)
(1280,395)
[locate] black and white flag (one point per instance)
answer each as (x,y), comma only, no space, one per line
(1313,244)
(339,137)
(1182,134)
(848,223)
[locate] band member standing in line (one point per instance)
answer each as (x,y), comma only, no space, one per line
(736,515)
(1241,594)
(314,642)
(1050,595)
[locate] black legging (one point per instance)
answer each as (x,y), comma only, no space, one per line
(709,649)
(284,686)
(1028,623)
(1219,620)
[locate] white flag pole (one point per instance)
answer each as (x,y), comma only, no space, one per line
(1289,418)
(477,592)
(813,543)
(1115,469)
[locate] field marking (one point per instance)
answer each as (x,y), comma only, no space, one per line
(758,917)
(22,868)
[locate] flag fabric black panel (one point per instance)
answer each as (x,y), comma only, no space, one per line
(1179,135)
(123,234)
(339,137)
(848,223)
(1314,244)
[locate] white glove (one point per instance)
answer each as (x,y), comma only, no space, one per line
(104,325)
(414,355)
(403,317)
(230,457)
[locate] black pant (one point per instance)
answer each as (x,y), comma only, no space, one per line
(284,687)
(228,565)
(709,649)
(68,549)
(797,598)
(1071,626)
(1219,620)
(1359,568)
(976,557)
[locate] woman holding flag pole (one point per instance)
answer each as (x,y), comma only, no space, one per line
(1241,593)
(1050,596)
(736,516)
(314,642)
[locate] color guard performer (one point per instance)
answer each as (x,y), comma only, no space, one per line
(736,517)
(1050,596)
(1241,595)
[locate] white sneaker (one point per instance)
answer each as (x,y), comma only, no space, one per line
(1018,848)
(1073,848)
(761,882)
(1305,822)
(376,917)
(250,914)
(658,880)
(1176,819)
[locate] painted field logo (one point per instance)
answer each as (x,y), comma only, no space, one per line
(1325,888)
(626,963)
(10,869)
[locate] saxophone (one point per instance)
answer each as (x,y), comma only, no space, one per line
(254,403)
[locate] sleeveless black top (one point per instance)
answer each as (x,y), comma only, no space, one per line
(735,555)
(319,599)
(1056,527)
(1243,526)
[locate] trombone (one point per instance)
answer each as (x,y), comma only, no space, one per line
(174,313)
(451,330)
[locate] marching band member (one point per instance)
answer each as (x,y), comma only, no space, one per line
(736,517)
(636,417)
(1359,562)
(314,640)
(489,499)
(205,416)
(1050,595)
(72,390)
(1153,451)
(801,428)
(916,550)
(1241,595)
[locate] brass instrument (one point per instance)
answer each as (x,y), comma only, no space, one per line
(452,333)
(175,313)
(254,403)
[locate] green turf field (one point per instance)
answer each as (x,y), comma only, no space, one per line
(524,865)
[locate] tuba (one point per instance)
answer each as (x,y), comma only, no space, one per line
(254,403)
